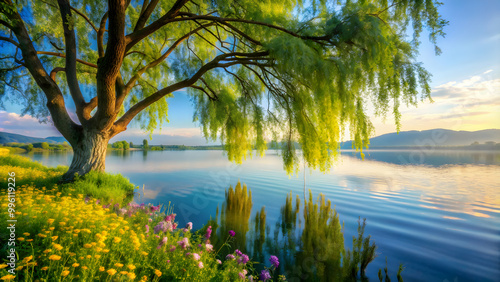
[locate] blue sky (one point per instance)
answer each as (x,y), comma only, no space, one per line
(466,85)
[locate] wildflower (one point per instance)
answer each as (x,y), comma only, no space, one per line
(209,247)
(101,268)
(55,257)
(218,261)
(118,265)
(230,257)
(84,267)
(144,253)
(44,268)
(87,246)
(243,259)
(26,259)
(274,261)
(58,247)
(75,264)
(2,266)
(131,266)
(209,232)
(26,234)
(117,239)
(238,252)
(111,272)
(123,272)
(265,275)
(200,264)
(54,238)
(242,274)
(147,228)
(20,239)
(50,220)
(232,233)
(64,273)
(131,275)
(8,277)
(189,226)
(172,249)
(184,243)
(196,256)
(157,272)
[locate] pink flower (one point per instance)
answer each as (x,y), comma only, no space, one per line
(189,226)
(200,264)
(209,232)
(209,247)
(232,233)
(218,261)
(184,243)
(147,228)
(196,256)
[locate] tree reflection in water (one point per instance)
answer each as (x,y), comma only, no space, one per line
(310,247)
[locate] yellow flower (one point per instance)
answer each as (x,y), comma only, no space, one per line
(123,272)
(19,267)
(87,246)
(8,277)
(64,273)
(2,266)
(97,256)
(131,266)
(55,257)
(84,267)
(117,239)
(47,251)
(20,239)
(45,268)
(26,234)
(101,268)
(54,238)
(111,271)
(157,272)
(52,228)
(26,259)
(118,265)
(58,247)
(50,220)
(144,253)
(29,240)
(131,275)
(75,264)
(42,235)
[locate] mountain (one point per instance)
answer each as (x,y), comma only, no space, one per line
(431,138)
(6,137)
(58,139)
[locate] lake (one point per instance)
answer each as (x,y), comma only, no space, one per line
(437,212)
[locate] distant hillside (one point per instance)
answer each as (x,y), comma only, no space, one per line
(6,137)
(432,137)
(57,139)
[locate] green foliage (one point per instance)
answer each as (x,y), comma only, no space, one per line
(106,187)
(324,63)
(121,145)
(145,144)
(45,145)
(29,148)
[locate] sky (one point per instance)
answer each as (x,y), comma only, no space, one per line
(465,86)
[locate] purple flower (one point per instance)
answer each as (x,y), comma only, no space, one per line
(243,259)
(230,257)
(274,261)
(232,233)
(265,275)
(238,252)
(172,249)
(209,232)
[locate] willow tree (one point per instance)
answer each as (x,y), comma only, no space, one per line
(299,72)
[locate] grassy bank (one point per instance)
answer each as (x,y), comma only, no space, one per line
(85,231)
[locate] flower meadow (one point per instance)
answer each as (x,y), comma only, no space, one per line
(65,235)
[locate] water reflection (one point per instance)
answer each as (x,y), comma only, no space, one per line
(310,245)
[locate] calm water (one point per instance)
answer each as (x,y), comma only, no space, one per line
(438,213)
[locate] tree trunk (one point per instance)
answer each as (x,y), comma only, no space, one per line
(89,154)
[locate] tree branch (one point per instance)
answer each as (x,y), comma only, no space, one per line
(10,40)
(70,68)
(64,56)
(145,14)
(121,124)
(109,65)
(85,17)
(100,35)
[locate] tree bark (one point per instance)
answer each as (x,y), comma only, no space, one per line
(89,154)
